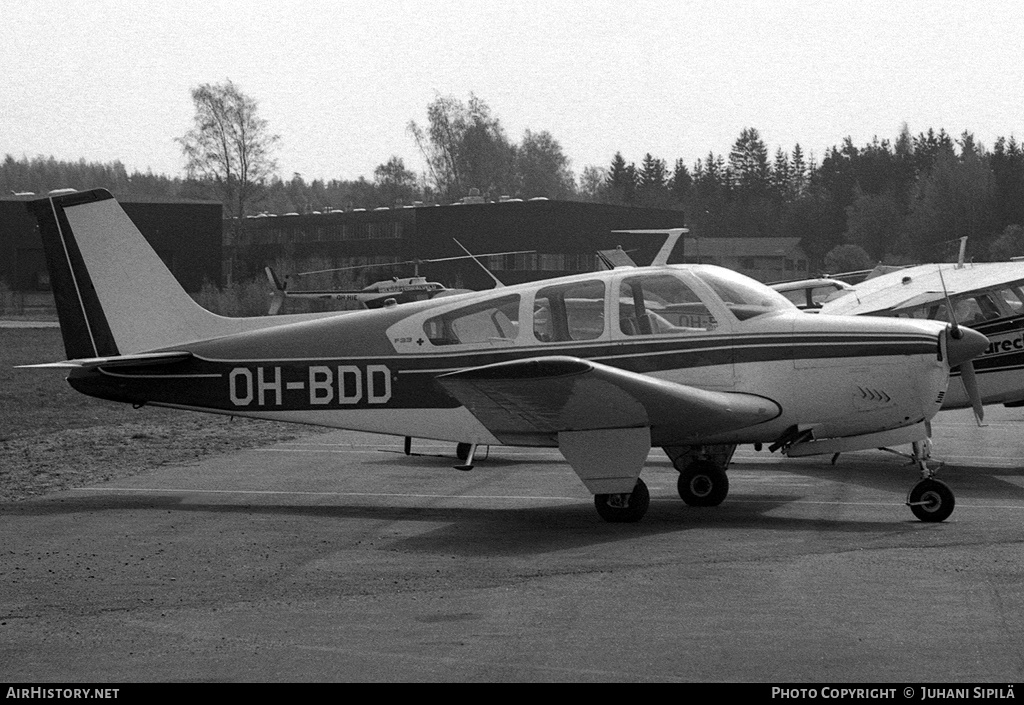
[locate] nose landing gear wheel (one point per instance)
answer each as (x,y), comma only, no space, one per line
(931,500)
(703,484)
(624,508)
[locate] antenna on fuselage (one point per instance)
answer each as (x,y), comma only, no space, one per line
(497,282)
(672,237)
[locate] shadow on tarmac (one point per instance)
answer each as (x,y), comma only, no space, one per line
(471,530)
(894,475)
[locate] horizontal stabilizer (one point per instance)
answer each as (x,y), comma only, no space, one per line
(139,360)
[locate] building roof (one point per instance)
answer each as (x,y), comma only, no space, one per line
(120,199)
(741,246)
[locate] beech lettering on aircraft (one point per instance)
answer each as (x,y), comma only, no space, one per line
(603,366)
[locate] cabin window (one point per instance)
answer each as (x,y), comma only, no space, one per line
(969,310)
(661,304)
(797,296)
(744,297)
(493,321)
(922,312)
(820,294)
(1013,298)
(984,308)
(569,312)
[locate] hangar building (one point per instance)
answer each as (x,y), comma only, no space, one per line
(186,234)
(767,259)
(553,238)
(560,237)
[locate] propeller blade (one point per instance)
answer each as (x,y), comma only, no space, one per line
(963,345)
(970,381)
(954,325)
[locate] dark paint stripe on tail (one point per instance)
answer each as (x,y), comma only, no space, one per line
(83,324)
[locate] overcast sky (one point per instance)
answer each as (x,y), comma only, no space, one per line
(340,81)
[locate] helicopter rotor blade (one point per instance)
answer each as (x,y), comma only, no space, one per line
(415,261)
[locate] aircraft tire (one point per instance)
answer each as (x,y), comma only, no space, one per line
(618,508)
(462,451)
(931,500)
(703,484)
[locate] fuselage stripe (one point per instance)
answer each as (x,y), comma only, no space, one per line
(600,351)
(74,279)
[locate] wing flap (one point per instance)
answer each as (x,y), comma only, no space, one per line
(545,396)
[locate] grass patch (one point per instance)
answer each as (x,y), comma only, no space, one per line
(52,437)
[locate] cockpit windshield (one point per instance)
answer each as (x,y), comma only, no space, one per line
(743,296)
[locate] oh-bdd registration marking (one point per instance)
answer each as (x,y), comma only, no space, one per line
(322,385)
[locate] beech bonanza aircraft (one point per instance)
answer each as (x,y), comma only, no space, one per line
(988,297)
(694,359)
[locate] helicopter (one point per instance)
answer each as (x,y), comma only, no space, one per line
(397,290)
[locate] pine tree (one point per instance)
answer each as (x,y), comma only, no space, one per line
(798,172)
(748,163)
(621,181)
(680,184)
(1007,164)
(652,184)
(782,176)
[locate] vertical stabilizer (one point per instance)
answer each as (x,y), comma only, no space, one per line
(672,236)
(114,294)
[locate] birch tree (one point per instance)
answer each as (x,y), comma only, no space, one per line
(229,145)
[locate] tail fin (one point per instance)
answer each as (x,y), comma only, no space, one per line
(672,236)
(114,295)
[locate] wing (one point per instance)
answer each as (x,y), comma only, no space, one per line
(603,419)
(548,395)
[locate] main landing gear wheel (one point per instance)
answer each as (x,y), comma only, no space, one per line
(624,508)
(462,451)
(931,500)
(703,484)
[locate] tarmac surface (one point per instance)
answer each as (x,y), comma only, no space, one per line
(338,558)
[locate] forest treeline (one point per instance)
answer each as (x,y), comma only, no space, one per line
(887,201)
